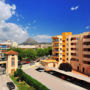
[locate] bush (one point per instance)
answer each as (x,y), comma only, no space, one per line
(65,67)
(29,80)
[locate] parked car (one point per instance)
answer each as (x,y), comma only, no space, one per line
(32,63)
(40,69)
(10,85)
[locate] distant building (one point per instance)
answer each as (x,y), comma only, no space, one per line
(74,49)
(34,46)
(4,45)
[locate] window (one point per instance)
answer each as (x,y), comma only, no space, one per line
(73,54)
(60,48)
(56,59)
(74,38)
(56,49)
(63,40)
(73,48)
(86,62)
(86,56)
(86,49)
(60,44)
(77,38)
(60,53)
(60,39)
(60,58)
(87,36)
(76,54)
(13,62)
(86,43)
(73,43)
(74,59)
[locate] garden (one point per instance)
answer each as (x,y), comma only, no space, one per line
(25,82)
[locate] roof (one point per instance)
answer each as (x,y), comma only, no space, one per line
(11,52)
(49,61)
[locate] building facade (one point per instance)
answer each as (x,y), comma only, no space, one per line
(11,61)
(75,49)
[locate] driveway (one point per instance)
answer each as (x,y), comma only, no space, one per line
(3,82)
(52,82)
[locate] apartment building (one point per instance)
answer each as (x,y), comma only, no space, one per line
(57,48)
(75,50)
(80,52)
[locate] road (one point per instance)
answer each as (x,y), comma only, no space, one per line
(3,82)
(52,82)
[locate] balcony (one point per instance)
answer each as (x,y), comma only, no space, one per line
(86,59)
(56,51)
(86,52)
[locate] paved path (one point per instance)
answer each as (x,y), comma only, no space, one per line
(3,82)
(52,82)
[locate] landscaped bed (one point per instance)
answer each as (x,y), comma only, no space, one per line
(21,85)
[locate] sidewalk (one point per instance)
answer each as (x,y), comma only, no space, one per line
(76,72)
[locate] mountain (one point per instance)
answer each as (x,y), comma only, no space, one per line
(30,41)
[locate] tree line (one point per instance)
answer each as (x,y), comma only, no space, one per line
(32,54)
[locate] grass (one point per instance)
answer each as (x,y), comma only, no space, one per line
(21,85)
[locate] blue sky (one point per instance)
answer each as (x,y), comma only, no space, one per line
(51,17)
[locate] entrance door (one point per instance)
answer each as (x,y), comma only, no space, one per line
(83,70)
(78,68)
(12,71)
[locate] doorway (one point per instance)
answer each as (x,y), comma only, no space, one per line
(83,70)
(78,68)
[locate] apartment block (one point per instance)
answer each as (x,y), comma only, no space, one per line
(57,48)
(75,50)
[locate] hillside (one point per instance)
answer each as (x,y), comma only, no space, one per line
(30,41)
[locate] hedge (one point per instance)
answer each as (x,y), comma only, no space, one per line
(29,80)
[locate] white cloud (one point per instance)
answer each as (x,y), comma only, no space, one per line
(10,31)
(74,8)
(87,27)
(6,11)
(42,38)
(2,0)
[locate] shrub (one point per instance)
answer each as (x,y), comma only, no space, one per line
(65,67)
(29,80)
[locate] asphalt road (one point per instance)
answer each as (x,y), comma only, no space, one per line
(52,82)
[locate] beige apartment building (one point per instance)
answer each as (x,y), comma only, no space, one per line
(74,49)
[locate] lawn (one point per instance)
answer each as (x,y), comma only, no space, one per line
(21,85)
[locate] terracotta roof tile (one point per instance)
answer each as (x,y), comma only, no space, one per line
(11,52)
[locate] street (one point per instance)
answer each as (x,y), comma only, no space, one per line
(52,82)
